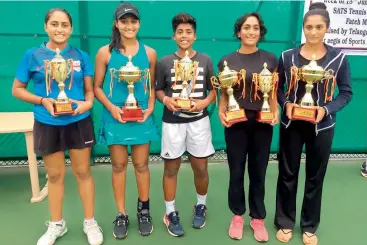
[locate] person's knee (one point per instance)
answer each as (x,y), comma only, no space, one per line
(82,174)
(199,167)
(119,167)
(171,171)
(141,167)
(55,177)
(201,171)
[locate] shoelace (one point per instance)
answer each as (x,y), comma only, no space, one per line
(237,221)
(257,222)
(175,220)
(144,218)
(200,210)
(53,230)
(120,221)
(93,229)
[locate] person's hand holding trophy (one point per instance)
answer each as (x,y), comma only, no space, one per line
(185,71)
(129,73)
(266,82)
(227,80)
(311,74)
(58,69)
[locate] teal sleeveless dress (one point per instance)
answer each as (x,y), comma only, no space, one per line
(111,131)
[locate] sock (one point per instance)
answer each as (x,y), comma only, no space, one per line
(170,207)
(86,221)
(61,222)
(201,199)
(142,205)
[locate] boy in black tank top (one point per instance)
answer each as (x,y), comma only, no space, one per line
(251,137)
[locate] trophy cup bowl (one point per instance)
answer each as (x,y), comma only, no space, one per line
(186,70)
(227,80)
(310,73)
(58,69)
(130,74)
(266,83)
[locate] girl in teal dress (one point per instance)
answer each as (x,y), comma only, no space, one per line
(118,134)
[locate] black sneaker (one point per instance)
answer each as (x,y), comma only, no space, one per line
(364,169)
(198,219)
(121,225)
(145,222)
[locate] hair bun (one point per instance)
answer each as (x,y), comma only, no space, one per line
(317,5)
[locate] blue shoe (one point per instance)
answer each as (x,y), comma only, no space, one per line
(172,221)
(198,220)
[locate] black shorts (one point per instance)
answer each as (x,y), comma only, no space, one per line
(49,139)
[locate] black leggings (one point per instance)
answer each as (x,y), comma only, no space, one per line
(250,138)
(318,149)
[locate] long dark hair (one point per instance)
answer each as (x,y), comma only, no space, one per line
(116,42)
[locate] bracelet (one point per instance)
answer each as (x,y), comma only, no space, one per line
(41,100)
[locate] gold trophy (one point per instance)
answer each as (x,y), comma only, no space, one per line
(266,82)
(311,73)
(185,70)
(227,80)
(130,74)
(58,69)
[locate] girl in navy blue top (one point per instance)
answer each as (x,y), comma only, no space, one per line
(316,136)
(53,135)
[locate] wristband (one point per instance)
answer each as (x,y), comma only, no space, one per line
(41,100)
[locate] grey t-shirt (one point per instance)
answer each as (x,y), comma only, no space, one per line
(165,78)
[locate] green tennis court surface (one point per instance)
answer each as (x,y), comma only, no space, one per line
(343,219)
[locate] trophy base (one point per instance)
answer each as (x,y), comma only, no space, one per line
(236,116)
(63,108)
(305,114)
(265,117)
(184,104)
(132,115)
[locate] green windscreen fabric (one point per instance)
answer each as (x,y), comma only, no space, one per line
(92,25)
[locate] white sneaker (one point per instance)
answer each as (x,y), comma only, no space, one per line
(53,232)
(93,232)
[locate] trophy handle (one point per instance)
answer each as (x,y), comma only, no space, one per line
(275,80)
(329,91)
(70,70)
(255,81)
(112,76)
(175,67)
(294,79)
(329,73)
(194,76)
(48,75)
(148,81)
(216,85)
(243,79)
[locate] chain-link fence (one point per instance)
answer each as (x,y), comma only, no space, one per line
(218,157)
